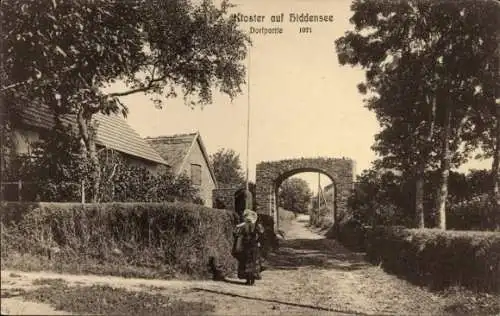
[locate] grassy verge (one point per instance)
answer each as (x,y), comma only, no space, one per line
(107,300)
(461,301)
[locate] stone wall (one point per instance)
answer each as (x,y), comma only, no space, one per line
(223,198)
(270,175)
(227,197)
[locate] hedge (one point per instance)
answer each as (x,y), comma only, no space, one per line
(157,240)
(351,233)
(477,214)
(438,258)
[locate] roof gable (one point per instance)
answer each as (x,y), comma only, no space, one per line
(112,131)
(207,159)
(175,149)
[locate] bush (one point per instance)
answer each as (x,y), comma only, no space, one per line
(438,258)
(133,239)
(351,233)
(55,170)
(322,218)
(381,198)
(477,214)
(294,195)
(137,184)
(385,197)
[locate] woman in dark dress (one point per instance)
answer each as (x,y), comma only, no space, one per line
(247,247)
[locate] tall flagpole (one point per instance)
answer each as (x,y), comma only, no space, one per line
(248,119)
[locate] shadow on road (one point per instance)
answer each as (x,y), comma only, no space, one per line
(313,307)
(315,253)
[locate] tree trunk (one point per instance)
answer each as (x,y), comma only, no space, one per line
(419,196)
(426,149)
(445,170)
(83,120)
(495,168)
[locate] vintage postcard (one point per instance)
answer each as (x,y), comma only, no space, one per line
(250,157)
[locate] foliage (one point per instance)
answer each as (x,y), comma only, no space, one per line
(438,258)
(125,182)
(154,240)
(295,195)
(63,55)
(191,46)
(6,147)
(54,172)
(426,103)
(322,217)
(351,233)
(137,184)
(383,197)
(478,213)
(227,168)
(53,169)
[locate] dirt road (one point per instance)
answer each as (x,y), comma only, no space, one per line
(309,275)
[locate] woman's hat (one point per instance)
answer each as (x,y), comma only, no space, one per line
(250,216)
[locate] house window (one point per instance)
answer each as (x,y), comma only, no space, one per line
(196,174)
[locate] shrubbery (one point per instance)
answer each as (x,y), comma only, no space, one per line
(478,214)
(294,195)
(127,239)
(381,198)
(56,167)
(351,233)
(385,198)
(322,218)
(438,258)
(136,184)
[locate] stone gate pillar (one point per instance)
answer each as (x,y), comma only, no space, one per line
(263,190)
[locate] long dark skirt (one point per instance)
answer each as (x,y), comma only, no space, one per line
(249,263)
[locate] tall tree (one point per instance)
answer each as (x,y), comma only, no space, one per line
(227,167)
(379,198)
(486,118)
(62,54)
(412,50)
(295,195)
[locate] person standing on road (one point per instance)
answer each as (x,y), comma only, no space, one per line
(246,248)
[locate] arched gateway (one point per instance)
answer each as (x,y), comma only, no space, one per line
(270,175)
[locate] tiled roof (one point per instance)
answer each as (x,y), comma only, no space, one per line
(173,149)
(112,132)
(42,117)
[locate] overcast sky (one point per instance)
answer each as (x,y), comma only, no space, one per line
(302,102)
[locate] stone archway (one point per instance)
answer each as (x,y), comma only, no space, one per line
(269,176)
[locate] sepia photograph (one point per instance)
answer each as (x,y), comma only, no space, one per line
(250,157)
